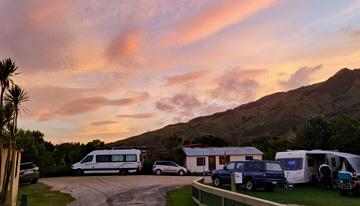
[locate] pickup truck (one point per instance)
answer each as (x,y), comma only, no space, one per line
(255,174)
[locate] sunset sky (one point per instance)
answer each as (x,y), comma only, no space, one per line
(112,69)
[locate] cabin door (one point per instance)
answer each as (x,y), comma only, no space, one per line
(212,163)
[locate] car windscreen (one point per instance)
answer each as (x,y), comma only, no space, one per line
(273,166)
(27,166)
(291,163)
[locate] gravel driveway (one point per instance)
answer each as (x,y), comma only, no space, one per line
(117,190)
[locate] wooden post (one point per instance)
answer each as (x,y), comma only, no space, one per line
(233,185)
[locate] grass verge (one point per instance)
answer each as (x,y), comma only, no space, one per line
(41,195)
(180,197)
(306,195)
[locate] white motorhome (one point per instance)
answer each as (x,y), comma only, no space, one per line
(302,166)
(122,161)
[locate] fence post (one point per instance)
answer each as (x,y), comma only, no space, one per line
(233,185)
(24,199)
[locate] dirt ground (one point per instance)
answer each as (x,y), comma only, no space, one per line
(117,190)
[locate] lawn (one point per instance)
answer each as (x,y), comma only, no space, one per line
(180,197)
(306,195)
(41,195)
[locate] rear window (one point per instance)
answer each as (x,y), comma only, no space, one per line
(272,166)
(254,166)
(27,166)
(291,163)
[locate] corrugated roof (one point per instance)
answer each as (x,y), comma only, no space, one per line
(222,151)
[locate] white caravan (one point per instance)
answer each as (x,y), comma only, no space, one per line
(302,166)
(122,161)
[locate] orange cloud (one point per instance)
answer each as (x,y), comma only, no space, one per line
(101,123)
(137,116)
(187,77)
(125,46)
(213,20)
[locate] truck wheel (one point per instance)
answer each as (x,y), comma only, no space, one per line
(249,185)
(269,188)
(344,192)
(158,172)
(217,181)
(181,172)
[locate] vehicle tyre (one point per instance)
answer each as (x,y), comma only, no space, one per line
(344,192)
(158,172)
(34,181)
(269,188)
(123,172)
(181,172)
(79,172)
(249,185)
(217,181)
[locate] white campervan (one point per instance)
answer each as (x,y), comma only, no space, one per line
(302,166)
(122,161)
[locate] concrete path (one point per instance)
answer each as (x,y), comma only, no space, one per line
(117,190)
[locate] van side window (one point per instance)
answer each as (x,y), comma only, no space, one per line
(311,163)
(88,158)
(130,158)
(117,158)
(103,158)
(333,162)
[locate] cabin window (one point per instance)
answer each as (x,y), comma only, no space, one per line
(249,157)
(200,161)
(103,158)
(88,158)
(291,163)
(254,166)
(333,162)
(117,158)
(223,160)
(130,158)
(311,163)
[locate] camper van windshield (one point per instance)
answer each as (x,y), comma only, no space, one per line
(291,163)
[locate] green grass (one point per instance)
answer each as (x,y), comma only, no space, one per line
(306,195)
(41,195)
(180,197)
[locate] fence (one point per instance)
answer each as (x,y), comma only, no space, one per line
(205,195)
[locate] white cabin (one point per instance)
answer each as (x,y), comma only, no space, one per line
(211,158)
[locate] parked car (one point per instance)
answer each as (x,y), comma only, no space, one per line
(29,172)
(120,161)
(255,174)
(161,167)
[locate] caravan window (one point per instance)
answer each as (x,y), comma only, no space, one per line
(291,163)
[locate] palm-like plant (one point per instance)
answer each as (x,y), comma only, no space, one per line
(16,96)
(7,71)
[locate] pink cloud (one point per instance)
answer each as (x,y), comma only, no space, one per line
(137,116)
(101,123)
(209,21)
(187,77)
(237,85)
(300,77)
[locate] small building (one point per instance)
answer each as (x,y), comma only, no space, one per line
(211,158)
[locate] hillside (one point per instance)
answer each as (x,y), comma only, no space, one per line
(279,114)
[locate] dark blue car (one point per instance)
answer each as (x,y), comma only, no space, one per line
(255,173)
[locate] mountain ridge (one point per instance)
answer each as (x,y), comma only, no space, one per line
(279,114)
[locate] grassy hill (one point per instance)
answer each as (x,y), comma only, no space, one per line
(280,114)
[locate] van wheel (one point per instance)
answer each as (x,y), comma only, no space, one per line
(79,172)
(123,172)
(34,181)
(217,181)
(158,172)
(181,172)
(249,185)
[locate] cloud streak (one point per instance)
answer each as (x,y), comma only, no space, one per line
(209,21)
(185,78)
(137,116)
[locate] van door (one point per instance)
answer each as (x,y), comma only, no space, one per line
(87,164)
(103,164)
